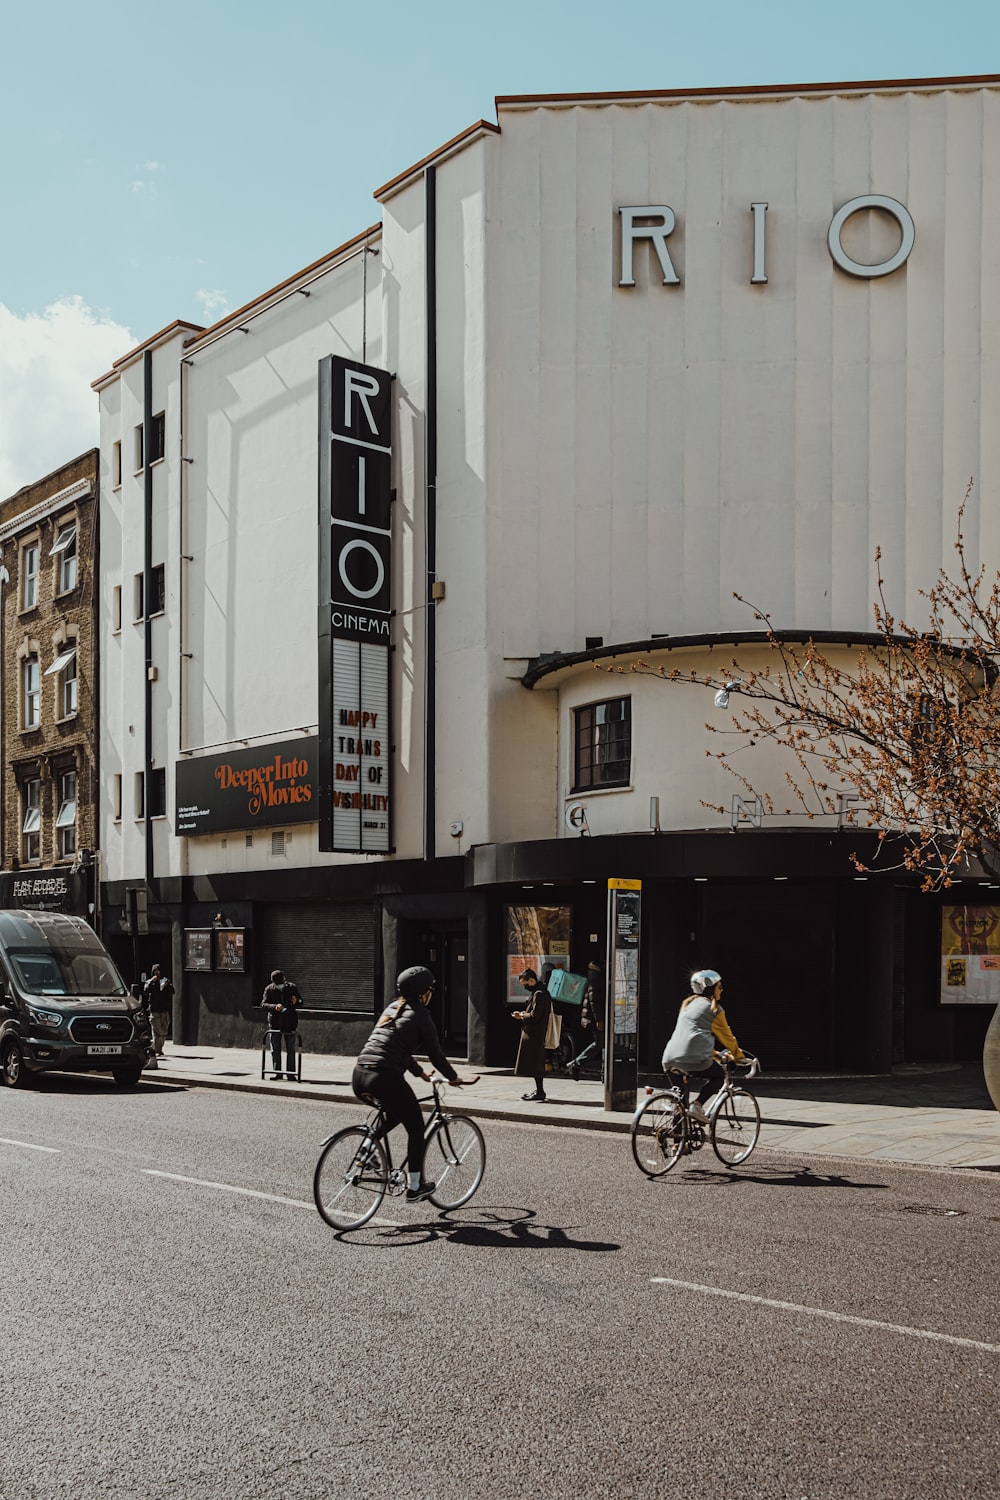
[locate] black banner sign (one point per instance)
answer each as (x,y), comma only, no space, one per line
(271,785)
(66,890)
(355,605)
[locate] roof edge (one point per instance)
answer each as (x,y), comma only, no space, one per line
(177,326)
(545,666)
(457,143)
(374,231)
(745,90)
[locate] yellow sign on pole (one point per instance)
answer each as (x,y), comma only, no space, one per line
(624,885)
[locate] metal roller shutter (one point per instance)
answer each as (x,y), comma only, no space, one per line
(329,951)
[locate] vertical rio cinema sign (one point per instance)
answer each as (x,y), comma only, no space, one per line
(355,546)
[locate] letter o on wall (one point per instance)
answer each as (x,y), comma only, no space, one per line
(855,205)
(358,544)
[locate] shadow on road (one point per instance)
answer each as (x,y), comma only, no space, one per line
(800,1177)
(493,1228)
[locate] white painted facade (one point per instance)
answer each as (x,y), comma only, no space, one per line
(614,461)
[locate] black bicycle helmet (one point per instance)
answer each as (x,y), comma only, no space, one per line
(412,983)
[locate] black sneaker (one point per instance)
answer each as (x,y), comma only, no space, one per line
(417,1195)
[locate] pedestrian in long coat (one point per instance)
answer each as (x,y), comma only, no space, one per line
(534,1019)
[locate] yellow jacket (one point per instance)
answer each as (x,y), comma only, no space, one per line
(723,1034)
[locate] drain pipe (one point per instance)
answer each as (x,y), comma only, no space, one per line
(147,599)
(430,513)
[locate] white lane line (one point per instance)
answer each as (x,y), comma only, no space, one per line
(227,1187)
(29,1146)
(822,1312)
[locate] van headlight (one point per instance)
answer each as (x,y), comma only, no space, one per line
(51,1019)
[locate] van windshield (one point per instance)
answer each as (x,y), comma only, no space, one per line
(56,969)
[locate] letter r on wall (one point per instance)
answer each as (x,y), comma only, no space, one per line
(356,383)
(656,232)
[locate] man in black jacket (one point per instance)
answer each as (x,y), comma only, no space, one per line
(281,1001)
(402,1030)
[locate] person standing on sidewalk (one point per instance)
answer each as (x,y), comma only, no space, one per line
(281,1001)
(158,998)
(534,1019)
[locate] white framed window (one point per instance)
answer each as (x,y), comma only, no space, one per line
(30,693)
(31,822)
(29,575)
(158,793)
(137,448)
(116,608)
(116,796)
(66,816)
(64,670)
(140,794)
(116,465)
(64,552)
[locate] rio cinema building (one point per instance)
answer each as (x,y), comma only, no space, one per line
(367,541)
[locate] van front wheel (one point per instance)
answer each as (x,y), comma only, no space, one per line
(127,1078)
(15,1075)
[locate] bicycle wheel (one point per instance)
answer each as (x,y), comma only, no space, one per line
(736,1127)
(454,1160)
(659,1132)
(350,1178)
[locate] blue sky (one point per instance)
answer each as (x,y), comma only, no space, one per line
(163,162)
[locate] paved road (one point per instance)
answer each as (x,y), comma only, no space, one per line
(784,1331)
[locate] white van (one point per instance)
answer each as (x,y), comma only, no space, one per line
(63,1004)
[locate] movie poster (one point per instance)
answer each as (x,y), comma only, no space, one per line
(970,955)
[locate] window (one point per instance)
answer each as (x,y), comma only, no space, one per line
(29,576)
(158,794)
(157,442)
(140,797)
(603,744)
(116,608)
(116,465)
(30,692)
(66,817)
(116,796)
(159,594)
(64,670)
(31,823)
(64,552)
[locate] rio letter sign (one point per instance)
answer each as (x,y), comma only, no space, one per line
(355,546)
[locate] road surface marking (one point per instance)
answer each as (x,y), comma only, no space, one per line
(822,1312)
(28,1146)
(227,1187)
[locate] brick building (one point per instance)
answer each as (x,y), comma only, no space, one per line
(48,724)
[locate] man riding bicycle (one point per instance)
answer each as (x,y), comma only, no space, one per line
(403,1029)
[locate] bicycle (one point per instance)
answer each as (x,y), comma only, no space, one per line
(355,1170)
(663,1131)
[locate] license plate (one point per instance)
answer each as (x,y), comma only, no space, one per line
(104,1051)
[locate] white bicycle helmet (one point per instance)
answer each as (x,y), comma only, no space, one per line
(705,979)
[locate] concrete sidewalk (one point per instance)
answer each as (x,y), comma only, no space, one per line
(939,1117)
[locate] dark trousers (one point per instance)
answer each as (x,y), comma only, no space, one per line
(390,1090)
(711,1078)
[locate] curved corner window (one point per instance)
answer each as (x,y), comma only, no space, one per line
(602,745)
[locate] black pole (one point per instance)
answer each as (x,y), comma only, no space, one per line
(430,514)
(147,599)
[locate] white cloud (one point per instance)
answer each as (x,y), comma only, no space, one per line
(214,304)
(48,413)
